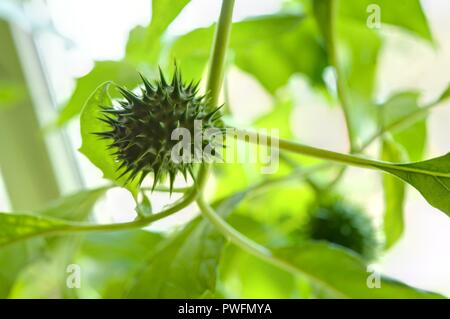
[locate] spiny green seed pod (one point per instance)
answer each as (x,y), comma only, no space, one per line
(340,223)
(141,128)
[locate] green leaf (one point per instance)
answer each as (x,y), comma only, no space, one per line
(37,281)
(96,149)
(14,227)
(11,94)
(358,56)
(413,136)
(323,13)
(144,43)
(445,95)
(288,41)
(337,270)
(265,280)
(121,253)
(77,206)
(119,72)
(45,277)
(431,178)
(394,195)
(295,50)
(144,207)
(185,266)
(234,176)
(342,273)
(353,51)
(12,260)
(405,14)
(278,118)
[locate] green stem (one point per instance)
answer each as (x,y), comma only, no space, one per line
(217,68)
(403,122)
(346,159)
(219,48)
(341,86)
(238,238)
(249,245)
(229,232)
(214,85)
(407,120)
(295,147)
(73,227)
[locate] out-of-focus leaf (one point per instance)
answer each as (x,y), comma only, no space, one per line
(234,177)
(95,148)
(281,204)
(265,280)
(36,281)
(271,48)
(121,253)
(323,13)
(359,57)
(14,227)
(341,273)
(76,206)
(405,14)
(445,95)
(394,194)
(185,265)
(278,118)
(144,43)
(144,207)
(11,94)
(121,73)
(46,276)
(355,51)
(337,271)
(413,137)
(12,259)
(195,46)
(294,50)
(431,178)
(397,107)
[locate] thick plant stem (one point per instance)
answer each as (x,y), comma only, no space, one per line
(294,147)
(218,53)
(342,158)
(217,69)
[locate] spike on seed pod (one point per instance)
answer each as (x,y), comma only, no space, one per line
(140,129)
